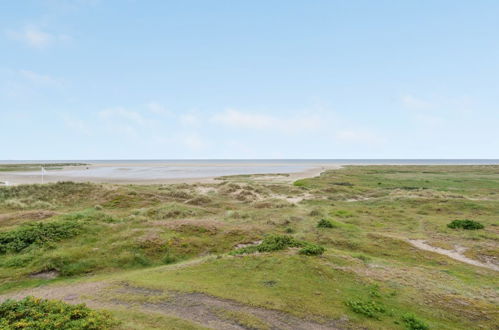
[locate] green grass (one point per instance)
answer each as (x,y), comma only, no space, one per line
(370,212)
(35,167)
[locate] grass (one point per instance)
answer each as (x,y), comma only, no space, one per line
(352,263)
(35,167)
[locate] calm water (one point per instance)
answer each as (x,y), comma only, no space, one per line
(173,169)
(273,161)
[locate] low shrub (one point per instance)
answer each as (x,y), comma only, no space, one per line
(280,242)
(312,250)
(169,259)
(324,223)
(367,308)
(465,224)
(412,323)
(34,313)
(315,213)
(37,233)
(15,204)
(277,242)
(299,183)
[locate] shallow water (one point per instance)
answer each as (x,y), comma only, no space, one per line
(167,172)
(175,169)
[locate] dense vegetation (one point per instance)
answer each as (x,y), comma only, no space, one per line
(34,313)
(335,248)
(465,224)
(37,233)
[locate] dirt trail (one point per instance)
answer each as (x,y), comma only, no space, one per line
(198,308)
(454,254)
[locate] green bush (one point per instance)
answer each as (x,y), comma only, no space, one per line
(323,223)
(412,323)
(169,259)
(37,233)
(34,313)
(299,183)
(367,308)
(280,242)
(277,242)
(312,250)
(465,224)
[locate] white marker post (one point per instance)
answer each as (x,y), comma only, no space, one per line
(43,172)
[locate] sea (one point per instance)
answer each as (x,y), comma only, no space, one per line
(147,169)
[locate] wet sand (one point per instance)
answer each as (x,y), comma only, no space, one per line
(152,173)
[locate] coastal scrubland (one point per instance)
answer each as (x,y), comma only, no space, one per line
(331,252)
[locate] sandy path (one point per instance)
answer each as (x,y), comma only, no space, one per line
(454,254)
(196,307)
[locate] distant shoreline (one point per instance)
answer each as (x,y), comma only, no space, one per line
(339,161)
(154,173)
(189,171)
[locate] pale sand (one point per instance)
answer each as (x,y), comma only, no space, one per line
(14,178)
(456,254)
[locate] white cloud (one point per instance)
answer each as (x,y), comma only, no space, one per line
(248,120)
(358,136)
(194,142)
(240,119)
(433,113)
(40,79)
(157,108)
(412,102)
(35,37)
(125,115)
(77,125)
(429,120)
(190,119)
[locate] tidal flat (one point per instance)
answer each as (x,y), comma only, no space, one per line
(352,248)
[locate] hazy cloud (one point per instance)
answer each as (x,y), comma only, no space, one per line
(123,114)
(413,102)
(40,79)
(36,38)
(249,120)
(157,108)
(358,136)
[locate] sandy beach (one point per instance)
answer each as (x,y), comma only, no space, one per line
(164,173)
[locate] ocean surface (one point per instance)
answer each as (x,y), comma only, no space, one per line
(174,169)
(271,161)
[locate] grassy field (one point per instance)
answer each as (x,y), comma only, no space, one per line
(145,252)
(35,167)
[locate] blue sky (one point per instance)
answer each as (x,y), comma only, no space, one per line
(90,79)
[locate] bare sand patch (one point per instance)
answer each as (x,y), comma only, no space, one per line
(456,254)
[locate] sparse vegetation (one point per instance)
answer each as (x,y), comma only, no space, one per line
(179,238)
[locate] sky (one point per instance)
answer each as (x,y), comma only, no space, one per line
(118,79)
